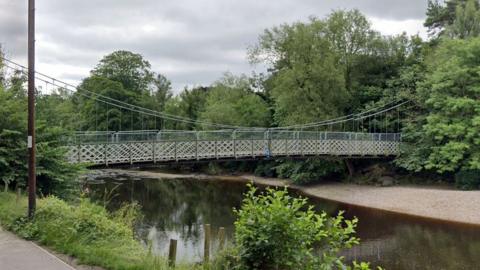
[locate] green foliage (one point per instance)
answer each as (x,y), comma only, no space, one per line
(308,171)
(446,138)
(328,67)
(231,101)
(84,230)
(265,168)
(304,73)
(453,18)
(467,180)
(127,77)
(467,20)
(130,69)
(190,103)
(54,174)
(276,231)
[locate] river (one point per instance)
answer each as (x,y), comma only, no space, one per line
(178,208)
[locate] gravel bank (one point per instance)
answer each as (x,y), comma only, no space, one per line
(430,202)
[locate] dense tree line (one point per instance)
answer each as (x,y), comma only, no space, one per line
(318,69)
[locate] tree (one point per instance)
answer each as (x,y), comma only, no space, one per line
(127,68)
(188,104)
(232,102)
(454,18)
(446,139)
(306,85)
(467,21)
(127,77)
(54,174)
(101,116)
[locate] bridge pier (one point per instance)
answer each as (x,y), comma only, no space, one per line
(350,167)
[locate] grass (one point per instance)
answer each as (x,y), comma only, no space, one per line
(83,230)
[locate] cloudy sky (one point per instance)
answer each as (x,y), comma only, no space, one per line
(192,42)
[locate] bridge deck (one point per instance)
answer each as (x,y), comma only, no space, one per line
(105,153)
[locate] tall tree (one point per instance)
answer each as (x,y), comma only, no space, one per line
(231,101)
(188,104)
(124,76)
(306,83)
(129,69)
(467,21)
(447,139)
(455,18)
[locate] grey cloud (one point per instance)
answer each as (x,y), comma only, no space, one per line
(191,42)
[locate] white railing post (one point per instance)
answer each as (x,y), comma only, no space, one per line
(175,150)
(130,152)
(153,150)
(79,148)
(234,144)
(196,145)
(251,141)
(105,153)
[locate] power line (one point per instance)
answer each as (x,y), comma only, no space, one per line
(145,111)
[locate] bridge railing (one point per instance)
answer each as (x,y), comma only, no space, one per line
(156,146)
(173,135)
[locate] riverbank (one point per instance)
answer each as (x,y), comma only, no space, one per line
(429,202)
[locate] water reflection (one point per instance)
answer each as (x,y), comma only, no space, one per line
(178,208)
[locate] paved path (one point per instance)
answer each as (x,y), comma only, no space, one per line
(19,254)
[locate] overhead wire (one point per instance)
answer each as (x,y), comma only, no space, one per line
(165,116)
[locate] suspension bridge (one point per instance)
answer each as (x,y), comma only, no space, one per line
(372,133)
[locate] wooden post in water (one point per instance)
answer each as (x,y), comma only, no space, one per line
(172,253)
(221,238)
(206,248)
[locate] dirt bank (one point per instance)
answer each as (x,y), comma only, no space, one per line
(430,202)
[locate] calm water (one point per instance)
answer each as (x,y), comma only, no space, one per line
(178,208)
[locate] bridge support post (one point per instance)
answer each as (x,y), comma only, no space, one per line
(234,144)
(79,148)
(175,150)
(153,152)
(251,141)
(350,167)
(106,153)
(196,145)
(130,152)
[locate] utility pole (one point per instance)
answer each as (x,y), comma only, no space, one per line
(32,181)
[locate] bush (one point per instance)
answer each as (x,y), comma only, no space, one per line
(468,179)
(265,168)
(276,231)
(307,171)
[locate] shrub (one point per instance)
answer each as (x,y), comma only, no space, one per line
(276,231)
(307,171)
(468,179)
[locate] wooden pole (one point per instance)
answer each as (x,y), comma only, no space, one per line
(206,248)
(32,181)
(221,238)
(172,253)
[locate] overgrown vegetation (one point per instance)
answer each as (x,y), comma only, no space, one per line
(84,230)
(276,231)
